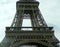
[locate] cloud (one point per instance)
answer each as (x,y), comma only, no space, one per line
(7,12)
(3,2)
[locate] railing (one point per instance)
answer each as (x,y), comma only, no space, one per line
(29,28)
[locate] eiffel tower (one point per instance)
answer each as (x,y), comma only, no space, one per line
(36,35)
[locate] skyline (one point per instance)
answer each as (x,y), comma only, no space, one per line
(50,10)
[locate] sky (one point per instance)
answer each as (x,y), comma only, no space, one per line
(50,10)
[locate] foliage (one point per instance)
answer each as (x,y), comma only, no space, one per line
(0,45)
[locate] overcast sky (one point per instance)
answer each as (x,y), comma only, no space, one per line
(50,10)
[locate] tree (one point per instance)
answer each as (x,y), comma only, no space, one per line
(0,45)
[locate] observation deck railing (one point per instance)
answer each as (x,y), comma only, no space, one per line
(29,29)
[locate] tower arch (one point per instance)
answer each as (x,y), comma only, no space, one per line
(30,43)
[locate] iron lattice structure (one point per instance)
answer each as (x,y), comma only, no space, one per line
(41,35)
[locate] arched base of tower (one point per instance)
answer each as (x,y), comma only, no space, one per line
(31,45)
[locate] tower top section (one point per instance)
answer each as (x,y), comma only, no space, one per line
(27,0)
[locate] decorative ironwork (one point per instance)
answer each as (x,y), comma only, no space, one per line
(35,28)
(39,33)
